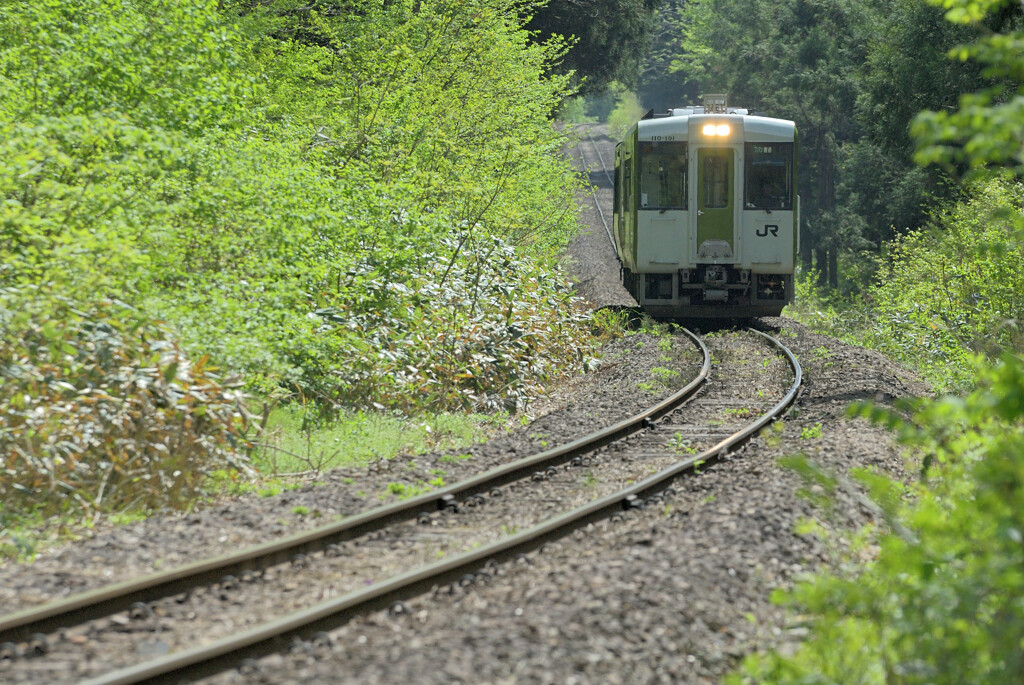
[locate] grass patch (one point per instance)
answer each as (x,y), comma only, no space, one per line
(292,443)
(811,432)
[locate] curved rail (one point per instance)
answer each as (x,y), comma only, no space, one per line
(593,194)
(111,599)
(223,654)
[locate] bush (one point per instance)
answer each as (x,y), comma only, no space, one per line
(573,111)
(100,410)
(947,295)
(626,113)
(941,602)
(479,331)
(316,149)
(955,289)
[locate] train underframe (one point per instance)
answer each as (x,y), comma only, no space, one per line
(709,291)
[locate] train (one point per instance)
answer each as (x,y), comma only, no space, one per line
(706,222)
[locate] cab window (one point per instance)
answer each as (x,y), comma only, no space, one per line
(663,167)
(768,178)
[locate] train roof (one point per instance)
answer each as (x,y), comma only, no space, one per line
(679,121)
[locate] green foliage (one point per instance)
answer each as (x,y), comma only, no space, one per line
(169,64)
(664,375)
(940,602)
(609,36)
(625,114)
(295,440)
(238,236)
(986,130)
(454,458)
(660,86)
(610,323)
(947,294)
(827,310)
(407,491)
(73,208)
(311,197)
(100,410)
(811,432)
(955,289)
(573,111)
(907,69)
(450,335)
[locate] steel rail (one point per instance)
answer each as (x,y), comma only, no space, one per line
(113,598)
(202,661)
(600,157)
(590,185)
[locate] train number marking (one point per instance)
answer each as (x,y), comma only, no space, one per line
(763,231)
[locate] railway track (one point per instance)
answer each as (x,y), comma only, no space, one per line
(635,460)
(147,605)
(585,164)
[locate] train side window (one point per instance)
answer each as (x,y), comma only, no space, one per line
(627,178)
(768,177)
(663,171)
(616,189)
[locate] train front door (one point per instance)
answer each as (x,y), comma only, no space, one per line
(715,198)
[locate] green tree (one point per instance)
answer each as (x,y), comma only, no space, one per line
(907,70)
(610,38)
(661,87)
(954,289)
(985,132)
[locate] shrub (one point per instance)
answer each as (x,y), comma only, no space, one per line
(101,411)
(939,599)
(956,288)
(624,116)
(304,197)
(317,156)
(481,330)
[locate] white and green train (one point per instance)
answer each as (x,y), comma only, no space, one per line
(706,212)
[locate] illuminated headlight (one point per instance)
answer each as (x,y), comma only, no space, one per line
(716,129)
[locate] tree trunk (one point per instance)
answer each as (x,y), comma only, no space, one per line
(822,262)
(827,251)
(806,250)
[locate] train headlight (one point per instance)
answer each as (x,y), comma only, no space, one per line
(716,129)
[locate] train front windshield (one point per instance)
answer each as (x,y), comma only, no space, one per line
(769,176)
(663,168)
